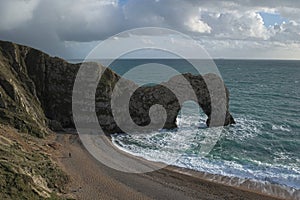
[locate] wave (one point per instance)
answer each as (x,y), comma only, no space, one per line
(281,128)
(243,151)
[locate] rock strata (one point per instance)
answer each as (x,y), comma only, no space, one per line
(36,94)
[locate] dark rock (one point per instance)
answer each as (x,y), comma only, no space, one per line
(162,95)
(22,108)
(55,125)
(8,88)
(36,87)
(2,102)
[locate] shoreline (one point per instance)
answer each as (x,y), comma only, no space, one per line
(170,182)
(266,189)
(247,184)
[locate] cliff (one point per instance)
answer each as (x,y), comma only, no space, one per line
(36,93)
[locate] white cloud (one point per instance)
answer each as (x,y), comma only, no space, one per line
(49,25)
(287,32)
(196,25)
(235,24)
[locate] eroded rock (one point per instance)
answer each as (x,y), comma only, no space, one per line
(37,89)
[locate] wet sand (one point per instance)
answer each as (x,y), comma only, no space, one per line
(92,180)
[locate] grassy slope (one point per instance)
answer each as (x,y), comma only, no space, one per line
(26,170)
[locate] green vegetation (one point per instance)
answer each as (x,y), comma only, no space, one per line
(26,171)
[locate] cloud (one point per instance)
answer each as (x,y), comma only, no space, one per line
(88,20)
(236,25)
(197,25)
(287,32)
(60,27)
(11,16)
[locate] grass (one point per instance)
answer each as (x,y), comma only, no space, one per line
(26,170)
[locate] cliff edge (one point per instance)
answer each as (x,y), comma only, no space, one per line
(36,93)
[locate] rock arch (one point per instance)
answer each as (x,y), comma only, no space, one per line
(145,97)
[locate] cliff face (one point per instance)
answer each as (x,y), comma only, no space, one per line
(19,104)
(36,93)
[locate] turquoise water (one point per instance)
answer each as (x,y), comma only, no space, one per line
(264,144)
(265,100)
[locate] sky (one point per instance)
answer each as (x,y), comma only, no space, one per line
(226,29)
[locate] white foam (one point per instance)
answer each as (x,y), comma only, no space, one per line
(281,128)
(180,148)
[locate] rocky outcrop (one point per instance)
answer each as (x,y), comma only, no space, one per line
(36,93)
(19,105)
(175,92)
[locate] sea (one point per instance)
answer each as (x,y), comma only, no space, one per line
(263,145)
